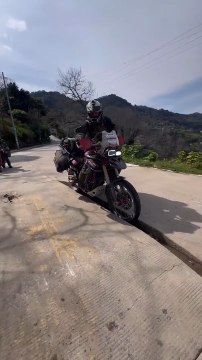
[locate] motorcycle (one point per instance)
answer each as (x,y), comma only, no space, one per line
(99,173)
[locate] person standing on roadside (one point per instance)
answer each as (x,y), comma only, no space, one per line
(5,153)
(1,158)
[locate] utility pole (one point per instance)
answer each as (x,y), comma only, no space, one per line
(11,114)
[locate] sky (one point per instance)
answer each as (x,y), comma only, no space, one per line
(146,51)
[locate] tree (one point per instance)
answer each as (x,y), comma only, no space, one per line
(74,85)
(20,115)
(8,80)
(3,101)
(27,111)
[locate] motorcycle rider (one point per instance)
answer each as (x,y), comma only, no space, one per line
(96,122)
(94,125)
(98,128)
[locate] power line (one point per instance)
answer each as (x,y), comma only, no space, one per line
(178,53)
(156,60)
(177,39)
(174,40)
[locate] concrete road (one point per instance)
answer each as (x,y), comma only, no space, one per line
(172,204)
(77,284)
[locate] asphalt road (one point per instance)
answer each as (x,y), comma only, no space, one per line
(78,284)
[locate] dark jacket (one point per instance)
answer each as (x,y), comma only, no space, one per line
(4,147)
(91,128)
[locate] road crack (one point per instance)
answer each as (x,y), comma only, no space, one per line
(165,271)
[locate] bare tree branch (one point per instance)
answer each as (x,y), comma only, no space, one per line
(74,85)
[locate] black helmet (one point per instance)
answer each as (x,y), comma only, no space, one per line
(94,110)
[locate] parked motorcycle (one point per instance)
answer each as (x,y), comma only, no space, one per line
(98,173)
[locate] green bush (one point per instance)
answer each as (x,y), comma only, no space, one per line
(152,156)
(185,162)
(134,152)
(25,134)
(131,150)
(182,156)
(194,158)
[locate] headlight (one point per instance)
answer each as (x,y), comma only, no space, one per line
(118,153)
(112,153)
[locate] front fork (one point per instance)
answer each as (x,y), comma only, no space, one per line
(109,186)
(106,176)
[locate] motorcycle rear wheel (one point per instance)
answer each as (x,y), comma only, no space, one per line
(123,200)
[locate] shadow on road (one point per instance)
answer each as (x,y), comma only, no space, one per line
(166,215)
(19,158)
(13,170)
(6,234)
(86,198)
(169,216)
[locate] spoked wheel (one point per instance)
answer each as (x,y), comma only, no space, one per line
(124,200)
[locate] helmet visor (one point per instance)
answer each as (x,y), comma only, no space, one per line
(94,114)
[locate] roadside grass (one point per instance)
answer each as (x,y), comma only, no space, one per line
(173,165)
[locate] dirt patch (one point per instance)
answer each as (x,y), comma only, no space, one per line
(9,197)
(54,357)
(112,326)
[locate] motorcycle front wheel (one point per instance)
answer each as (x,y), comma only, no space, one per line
(123,200)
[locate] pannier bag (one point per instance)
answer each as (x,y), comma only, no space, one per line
(61,160)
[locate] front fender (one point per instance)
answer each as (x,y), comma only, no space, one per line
(118,164)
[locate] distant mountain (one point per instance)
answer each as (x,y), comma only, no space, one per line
(164,131)
(192,121)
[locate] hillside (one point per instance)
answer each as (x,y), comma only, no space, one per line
(161,130)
